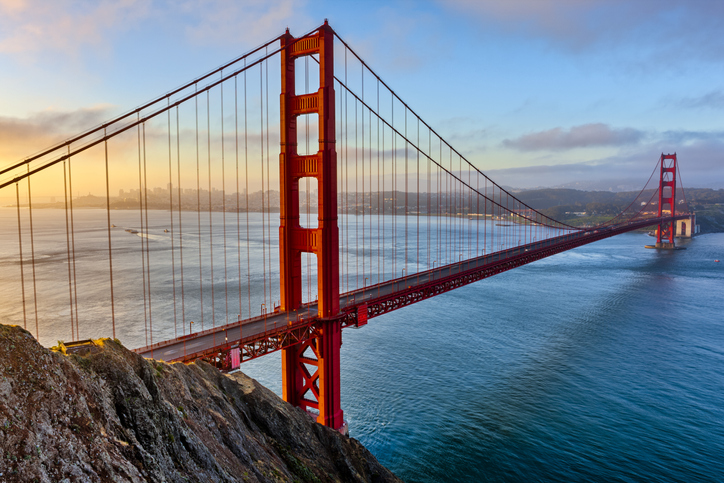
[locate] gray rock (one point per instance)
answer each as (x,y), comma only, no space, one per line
(110,415)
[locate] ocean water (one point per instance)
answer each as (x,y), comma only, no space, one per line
(604,363)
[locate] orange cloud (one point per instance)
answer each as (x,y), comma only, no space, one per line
(21,137)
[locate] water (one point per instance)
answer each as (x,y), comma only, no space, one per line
(605,363)
(222,278)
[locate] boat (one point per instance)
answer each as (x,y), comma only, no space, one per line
(132,231)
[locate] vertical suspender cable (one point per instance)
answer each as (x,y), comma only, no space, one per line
(448,239)
(417,205)
(380,191)
(110,252)
(20,246)
(459,240)
(170,210)
(384,204)
(236,157)
(407,214)
(346,176)
(439,205)
(198,209)
(469,211)
(211,209)
(356,202)
(485,219)
(223,207)
(369,184)
(394,189)
(263,200)
(341,208)
(340,185)
(362,116)
(142,238)
(429,189)
(246,195)
(180,226)
(500,216)
(148,257)
(268,188)
(32,256)
(67,244)
(72,246)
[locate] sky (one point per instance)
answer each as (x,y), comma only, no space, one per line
(535,93)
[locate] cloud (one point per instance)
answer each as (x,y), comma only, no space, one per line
(250,21)
(583,136)
(31,26)
(68,26)
(668,31)
(21,137)
(710,100)
(701,162)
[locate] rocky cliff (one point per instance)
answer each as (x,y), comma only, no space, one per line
(110,415)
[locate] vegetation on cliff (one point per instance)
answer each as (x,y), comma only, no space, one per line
(110,415)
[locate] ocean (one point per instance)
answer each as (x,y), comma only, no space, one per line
(603,363)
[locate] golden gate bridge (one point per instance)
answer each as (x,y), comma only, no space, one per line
(376,211)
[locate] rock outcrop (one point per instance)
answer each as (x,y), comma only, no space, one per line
(110,415)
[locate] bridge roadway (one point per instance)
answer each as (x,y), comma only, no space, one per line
(274,325)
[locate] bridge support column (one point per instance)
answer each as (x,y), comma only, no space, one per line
(310,370)
(667,196)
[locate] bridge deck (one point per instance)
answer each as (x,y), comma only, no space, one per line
(267,333)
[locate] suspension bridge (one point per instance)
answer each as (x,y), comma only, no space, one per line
(376,211)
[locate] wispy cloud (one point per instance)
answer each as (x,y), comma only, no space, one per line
(584,136)
(32,26)
(250,21)
(701,161)
(710,100)
(20,137)
(669,31)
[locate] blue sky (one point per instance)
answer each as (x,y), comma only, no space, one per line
(534,92)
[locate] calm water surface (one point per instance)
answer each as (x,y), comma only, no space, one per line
(605,363)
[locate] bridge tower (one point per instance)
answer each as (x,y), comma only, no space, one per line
(667,196)
(310,369)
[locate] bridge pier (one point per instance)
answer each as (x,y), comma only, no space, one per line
(663,246)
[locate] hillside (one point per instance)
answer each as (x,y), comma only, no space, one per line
(110,415)
(599,206)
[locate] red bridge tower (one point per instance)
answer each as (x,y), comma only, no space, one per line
(316,390)
(667,196)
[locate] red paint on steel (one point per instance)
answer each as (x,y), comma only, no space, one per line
(322,241)
(667,179)
(308,328)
